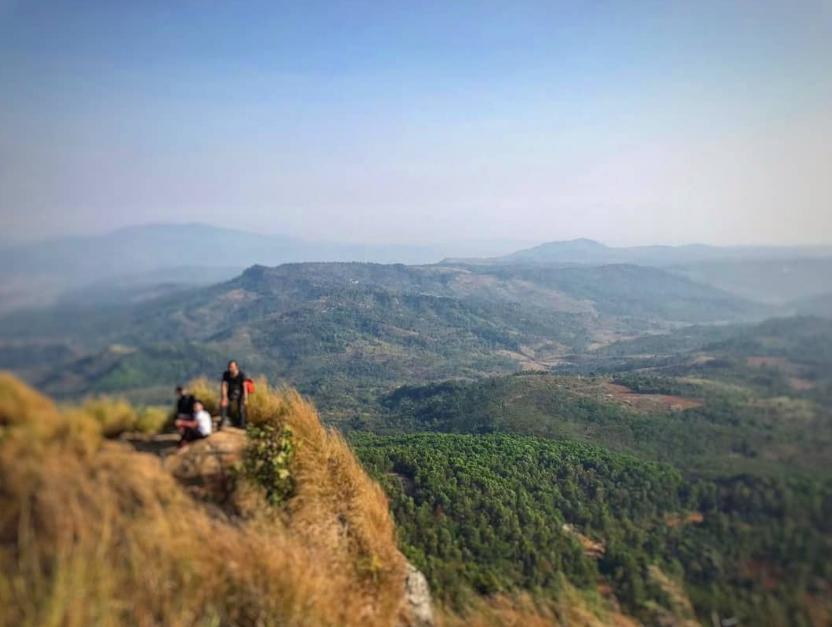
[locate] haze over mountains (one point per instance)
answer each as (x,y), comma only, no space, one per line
(587,251)
(139,262)
(36,274)
(535,297)
(770,274)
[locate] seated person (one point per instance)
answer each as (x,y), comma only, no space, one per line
(184,404)
(194,427)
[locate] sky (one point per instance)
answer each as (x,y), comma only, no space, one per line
(629,122)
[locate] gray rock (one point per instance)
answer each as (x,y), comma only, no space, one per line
(419,609)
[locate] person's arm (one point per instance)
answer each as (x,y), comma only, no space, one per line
(186,423)
(224,393)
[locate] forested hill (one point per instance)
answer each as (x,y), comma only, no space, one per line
(489,513)
(727,399)
(693,485)
(343,329)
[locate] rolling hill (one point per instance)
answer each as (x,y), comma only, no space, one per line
(331,326)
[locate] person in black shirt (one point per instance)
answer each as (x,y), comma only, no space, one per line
(233,392)
(184,404)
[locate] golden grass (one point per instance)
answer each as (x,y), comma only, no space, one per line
(116,416)
(571,609)
(94,533)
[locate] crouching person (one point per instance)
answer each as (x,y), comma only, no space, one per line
(195,428)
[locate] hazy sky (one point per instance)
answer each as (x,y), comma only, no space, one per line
(628,122)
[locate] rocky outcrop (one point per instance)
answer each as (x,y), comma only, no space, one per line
(206,468)
(418,610)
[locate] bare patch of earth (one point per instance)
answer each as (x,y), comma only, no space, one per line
(791,370)
(649,402)
(780,363)
(677,520)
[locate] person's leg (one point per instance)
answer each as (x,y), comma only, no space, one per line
(241,412)
(223,415)
(185,436)
(191,435)
(235,402)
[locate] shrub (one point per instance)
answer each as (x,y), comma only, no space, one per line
(268,460)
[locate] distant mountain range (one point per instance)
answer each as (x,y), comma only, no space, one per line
(141,249)
(590,252)
(139,262)
(767,274)
(37,274)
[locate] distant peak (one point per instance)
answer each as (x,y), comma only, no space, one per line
(581,242)
(584,241)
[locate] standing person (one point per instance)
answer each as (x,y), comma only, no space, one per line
(194,427)
(233,391)
(184,404)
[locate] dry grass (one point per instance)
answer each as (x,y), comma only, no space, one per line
(116,416)
(571,609)
(94,533)
(331,484)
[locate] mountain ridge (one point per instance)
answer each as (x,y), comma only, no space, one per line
(589,251)
(37,274)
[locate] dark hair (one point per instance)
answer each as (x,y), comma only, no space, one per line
(179,388)
(233,361)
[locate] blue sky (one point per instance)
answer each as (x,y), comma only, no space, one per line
(628,122)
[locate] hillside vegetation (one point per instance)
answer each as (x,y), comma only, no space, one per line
(693,423)
(492,513)
(342,332)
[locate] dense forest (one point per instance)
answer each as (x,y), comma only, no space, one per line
(488,513)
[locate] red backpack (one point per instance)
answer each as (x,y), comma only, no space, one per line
(249,385)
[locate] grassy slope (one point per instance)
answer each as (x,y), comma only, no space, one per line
(86,521)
